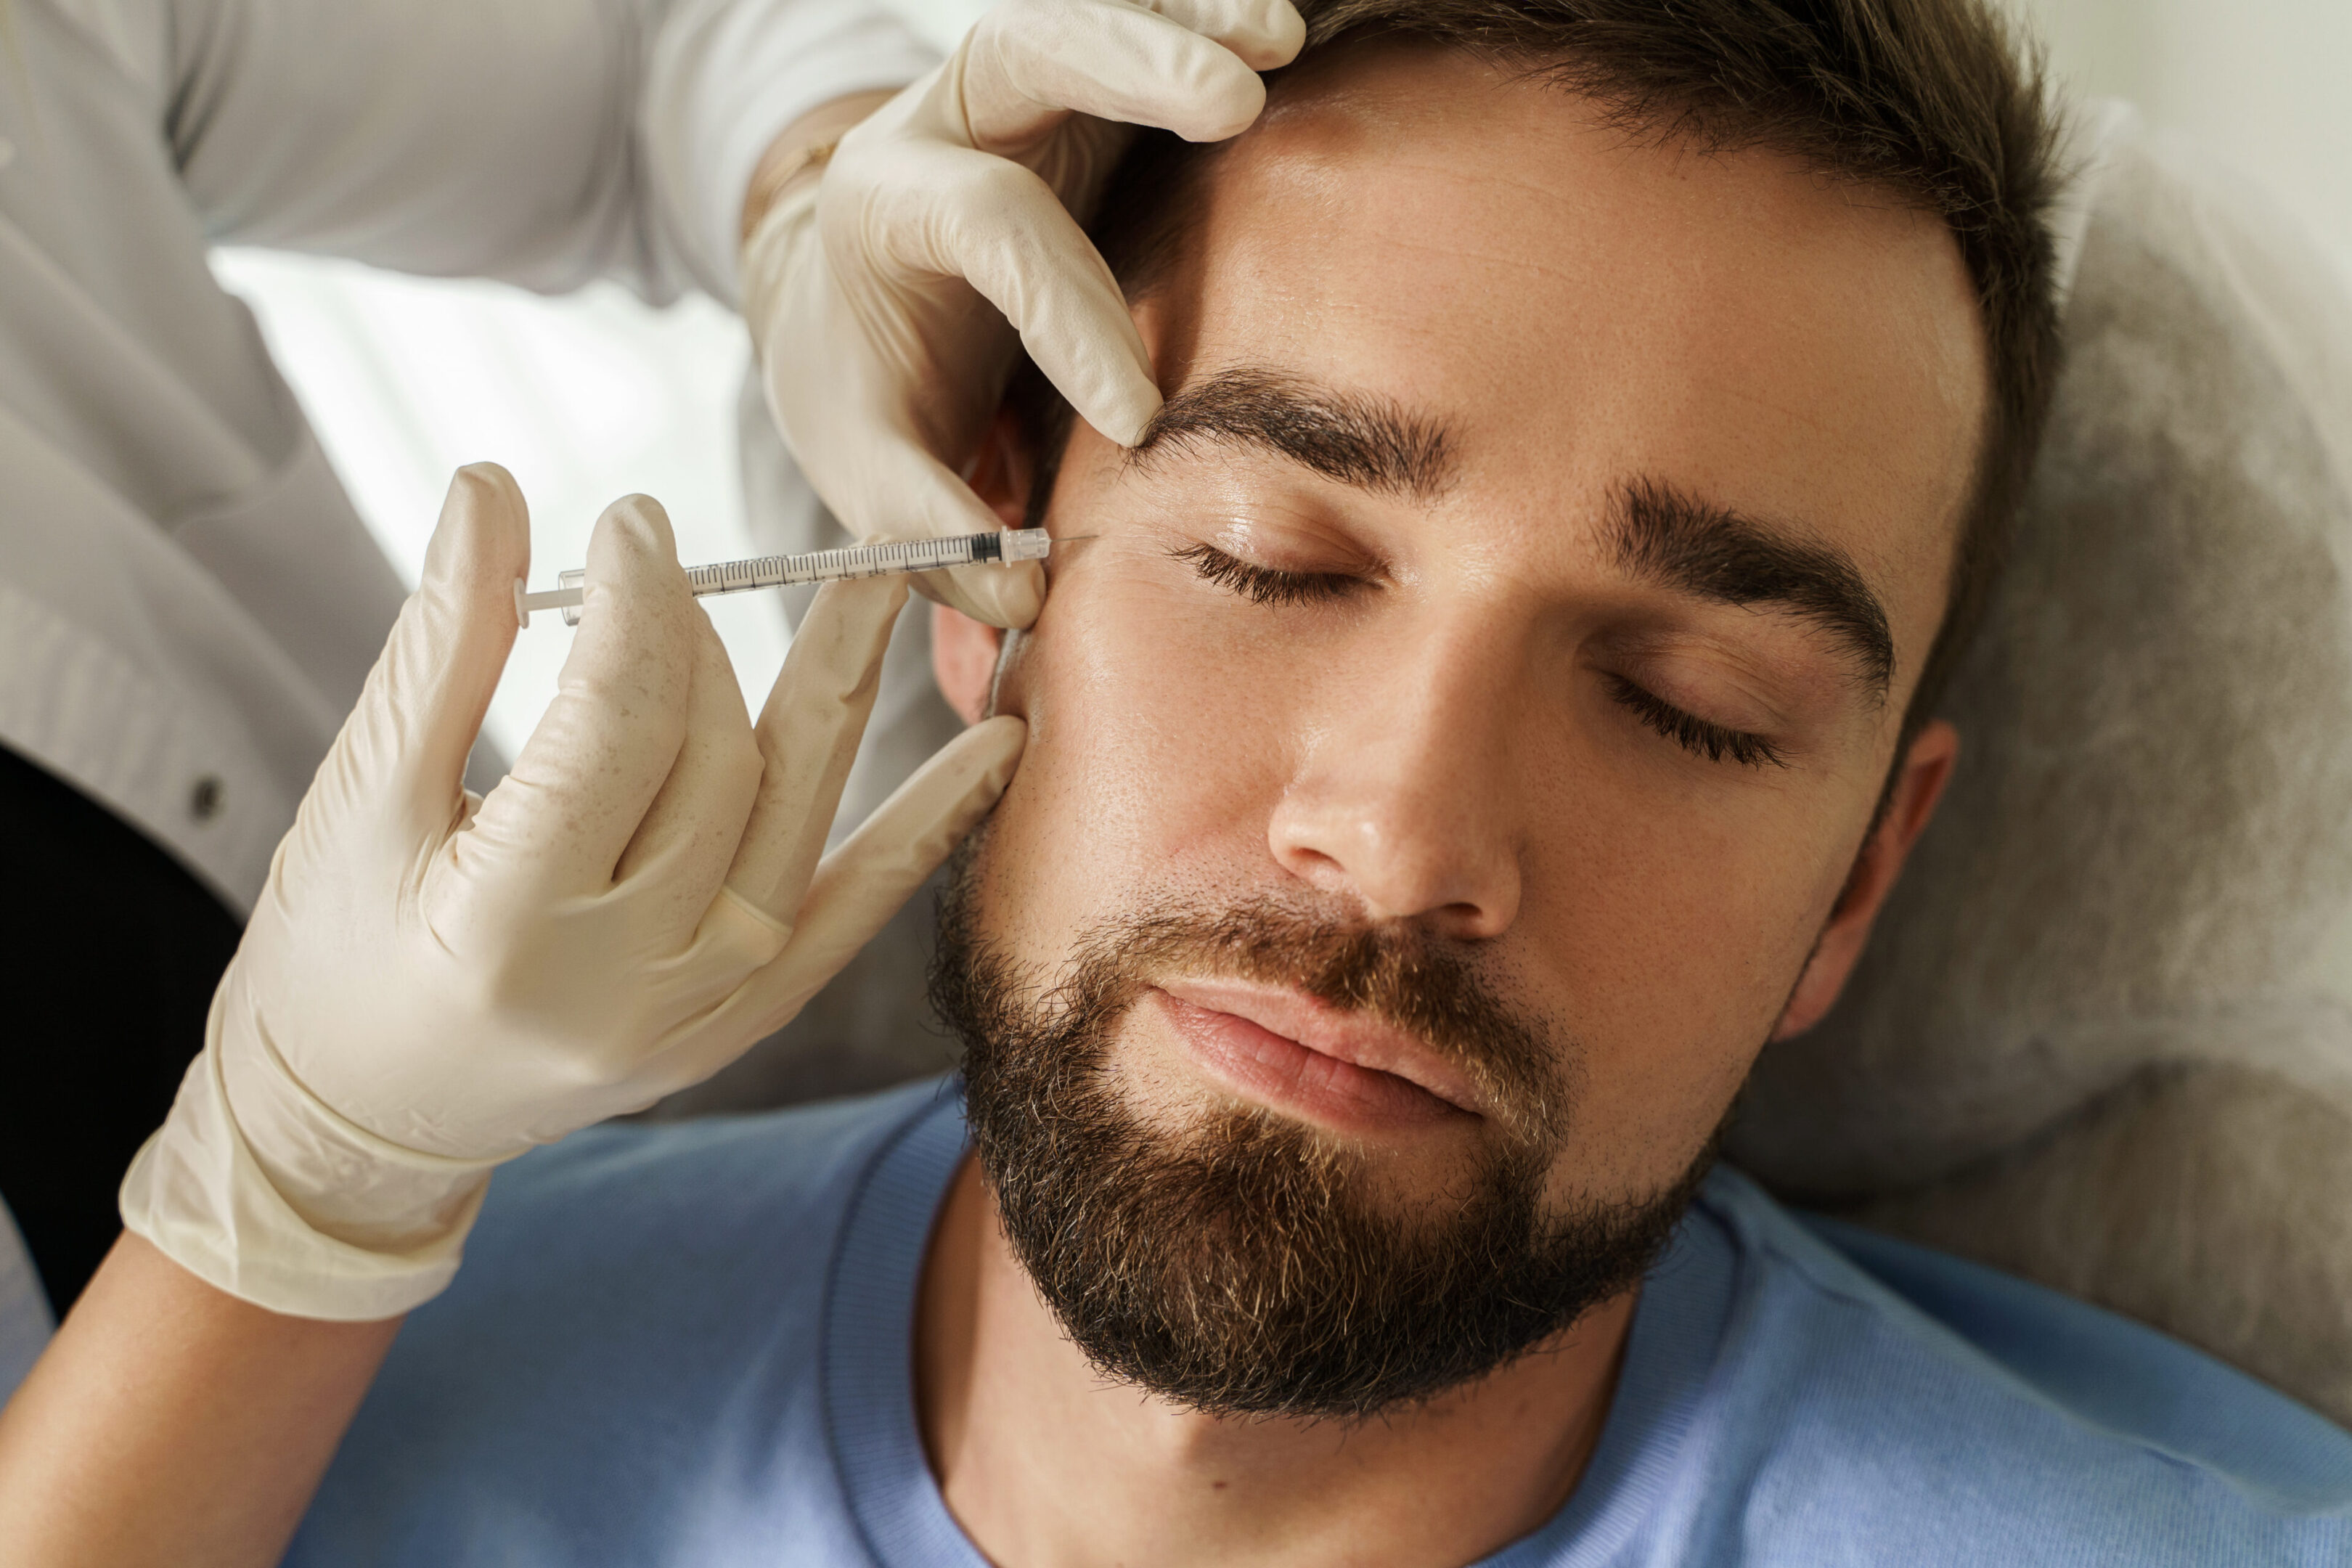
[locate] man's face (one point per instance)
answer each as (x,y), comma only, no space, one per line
(1543,536)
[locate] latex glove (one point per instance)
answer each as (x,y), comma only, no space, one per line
(430,984)
(874,294)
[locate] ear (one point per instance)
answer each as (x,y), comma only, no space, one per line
(963,651)
(1926,768)
(963,660)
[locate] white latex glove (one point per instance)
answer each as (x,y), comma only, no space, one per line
(875,293)
(432,984)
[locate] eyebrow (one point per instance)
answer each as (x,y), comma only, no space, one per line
(1365,441)
(1661,535)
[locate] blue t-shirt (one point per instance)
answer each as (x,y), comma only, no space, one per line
(691,1345)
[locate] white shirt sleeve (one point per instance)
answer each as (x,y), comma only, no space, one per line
(727,75)
(546,143)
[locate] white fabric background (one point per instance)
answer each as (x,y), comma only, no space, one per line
(583,397)
(2258,83)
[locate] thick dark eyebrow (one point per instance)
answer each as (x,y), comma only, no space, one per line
(1365,441)
(1665,536)
(1660,534)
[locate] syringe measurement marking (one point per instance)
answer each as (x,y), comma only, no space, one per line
(854,561)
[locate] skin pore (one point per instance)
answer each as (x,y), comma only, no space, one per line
(1505,564)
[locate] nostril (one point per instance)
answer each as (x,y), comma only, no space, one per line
(1470,922)
(1393,829)
(1311,865)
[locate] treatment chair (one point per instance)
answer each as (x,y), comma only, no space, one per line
(2103,1037)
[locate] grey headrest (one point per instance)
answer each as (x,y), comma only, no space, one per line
(2142,873)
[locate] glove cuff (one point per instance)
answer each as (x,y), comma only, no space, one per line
(333,1223)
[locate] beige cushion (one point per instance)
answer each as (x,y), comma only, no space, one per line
(2102,1037)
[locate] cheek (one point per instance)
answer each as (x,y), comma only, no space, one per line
(1144,778)
(1674,924)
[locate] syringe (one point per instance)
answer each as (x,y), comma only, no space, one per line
(1003,547)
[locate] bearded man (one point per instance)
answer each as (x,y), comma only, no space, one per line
(1488,702)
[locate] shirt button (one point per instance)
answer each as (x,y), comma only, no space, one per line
(204,798)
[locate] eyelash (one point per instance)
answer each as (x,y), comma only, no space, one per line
(1268,585)
(1693,734)
(1265,585)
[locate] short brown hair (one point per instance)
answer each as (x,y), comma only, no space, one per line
(1933,100)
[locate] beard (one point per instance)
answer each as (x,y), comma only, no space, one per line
(1240,1264)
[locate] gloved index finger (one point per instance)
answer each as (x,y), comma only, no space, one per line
(1264,34)
(954,212)
(557,825)
(1023,71)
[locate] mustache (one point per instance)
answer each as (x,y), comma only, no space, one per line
(1436,989)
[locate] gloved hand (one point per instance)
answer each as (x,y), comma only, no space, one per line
(874,293)
(431,985)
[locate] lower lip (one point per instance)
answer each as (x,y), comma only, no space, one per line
(1276,1070)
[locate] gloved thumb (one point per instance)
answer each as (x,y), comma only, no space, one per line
(407,742)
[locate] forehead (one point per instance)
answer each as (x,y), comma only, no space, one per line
(1579,306)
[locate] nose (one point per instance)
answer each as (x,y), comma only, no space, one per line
(1404,801)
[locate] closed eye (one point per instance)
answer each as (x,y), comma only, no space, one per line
(1266,584)
(1271,585)
(1715,742)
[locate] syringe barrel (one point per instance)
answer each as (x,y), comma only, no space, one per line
(851,560)
(833,565)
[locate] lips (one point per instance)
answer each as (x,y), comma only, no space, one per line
(1290,1049)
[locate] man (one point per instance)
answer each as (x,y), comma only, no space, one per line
(1486,706)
